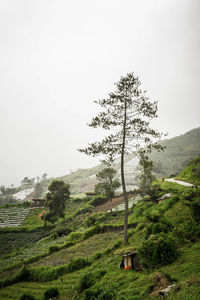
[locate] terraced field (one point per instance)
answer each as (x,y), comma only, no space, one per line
(12,216)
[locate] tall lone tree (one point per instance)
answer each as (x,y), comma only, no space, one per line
(126,114)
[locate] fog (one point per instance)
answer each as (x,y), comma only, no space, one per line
(57,57)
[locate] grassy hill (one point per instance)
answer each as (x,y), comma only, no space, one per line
(178,153)
(80,254)
(192,172)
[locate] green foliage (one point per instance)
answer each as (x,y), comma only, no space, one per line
(89,279)
(51,293)
(100,292)
(159,249)
(108,184)
(98,200)
(162,226)
(146,177)
(56,199)
(26,296)
(53,249)
(22,275)
(195,206)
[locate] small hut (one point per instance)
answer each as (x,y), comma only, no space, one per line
(39,202)
(131,261)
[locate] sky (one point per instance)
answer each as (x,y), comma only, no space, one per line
(58,56)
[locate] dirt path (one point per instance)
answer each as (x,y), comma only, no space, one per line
(179,182)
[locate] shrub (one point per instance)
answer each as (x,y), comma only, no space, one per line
(98,200)
(51,293)
(77,264)
(159,249)
(154,228)
(92,231)
(89,279)
(75,236)
(53,249)
(61,230)
(100,293)
(195,206)
(97,255)
(90,221)
(86,281)
(26,297)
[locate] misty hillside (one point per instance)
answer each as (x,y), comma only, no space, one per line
(179,151)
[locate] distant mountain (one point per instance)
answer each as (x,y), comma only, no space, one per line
(178,153)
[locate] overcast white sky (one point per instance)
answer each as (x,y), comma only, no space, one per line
(58,56)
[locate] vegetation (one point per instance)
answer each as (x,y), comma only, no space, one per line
(146,175)
(56,200)
(107,184)
(192,172)
(79,255)
(126,113)
(179,152)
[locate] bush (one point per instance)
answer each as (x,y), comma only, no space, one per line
(159,249)
(92,231)
(90,221)
(75,236)
(100,293)
(98,200)
(89,279)
(85,282)
(53,249)
(154,228)
(26,297)
(51,293)
(195,206)
(61,230)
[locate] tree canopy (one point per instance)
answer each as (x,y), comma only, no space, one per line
(108,183)
(59,193)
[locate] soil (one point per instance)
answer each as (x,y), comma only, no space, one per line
(161,282)
(115,202)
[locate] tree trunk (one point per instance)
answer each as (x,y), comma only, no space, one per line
(123,181)
(110,201)
(125,200)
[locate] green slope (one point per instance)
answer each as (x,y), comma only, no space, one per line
(96,274)
(178,153)
(192,172)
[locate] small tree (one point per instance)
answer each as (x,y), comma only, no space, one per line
(126,113)
(57,196)
(146,176)
(38,190)
(108,184)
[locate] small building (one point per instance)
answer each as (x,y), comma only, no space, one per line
(39,202)
(131,261)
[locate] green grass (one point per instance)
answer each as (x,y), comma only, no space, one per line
(90,239)
(192,172)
